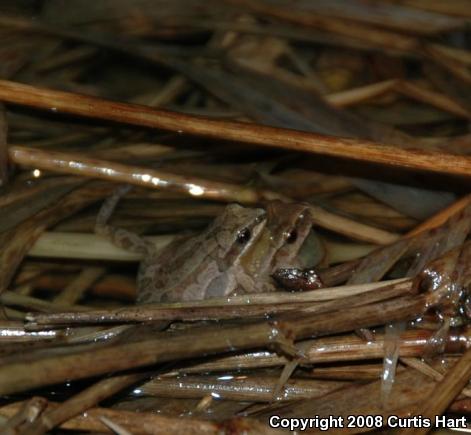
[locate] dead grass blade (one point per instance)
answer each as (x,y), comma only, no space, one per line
(17,241)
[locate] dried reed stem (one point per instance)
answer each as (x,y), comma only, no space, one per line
(407,88)
(442,216)
(22,376)
(95,168)
(245,388)
(433,98)
(355,149)
(332,349)
(217,308)
(350,228)
(193,186)
(80,402)
(360,94)
(55,244)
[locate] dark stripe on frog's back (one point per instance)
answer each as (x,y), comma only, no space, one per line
(171,266)
(182,260)
(194,283)
(172,285)
(183,252)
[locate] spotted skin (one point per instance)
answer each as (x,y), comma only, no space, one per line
(189,268)
(236,253)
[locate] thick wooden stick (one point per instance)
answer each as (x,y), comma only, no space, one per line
(22,376)
(355,149)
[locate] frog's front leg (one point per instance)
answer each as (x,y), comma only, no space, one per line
(119,236)
(246,284)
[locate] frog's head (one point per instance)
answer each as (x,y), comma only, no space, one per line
(236,230)
(289,226)
(282,242)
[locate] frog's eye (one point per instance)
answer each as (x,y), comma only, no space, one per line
(291,236)
(243,236)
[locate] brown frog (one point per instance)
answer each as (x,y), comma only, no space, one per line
(279,244)
(237,253)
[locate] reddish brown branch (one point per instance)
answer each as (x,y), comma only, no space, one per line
(355,149)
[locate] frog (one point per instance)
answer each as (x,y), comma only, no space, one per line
(287,229)
(236,254)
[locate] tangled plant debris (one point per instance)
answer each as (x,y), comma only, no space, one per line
(213,213)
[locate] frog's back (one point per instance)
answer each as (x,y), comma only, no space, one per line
(200,266)
(163,274)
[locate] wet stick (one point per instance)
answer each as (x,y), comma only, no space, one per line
(248,388)
(355,149)
(192,186)
(79,403)
(332,349)
(217,308)
(141,176)
(20,376)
